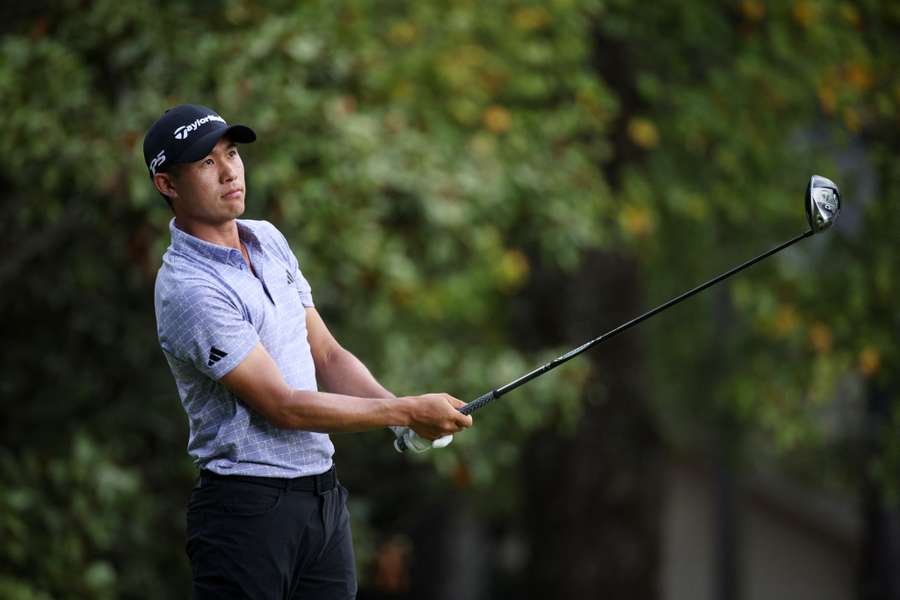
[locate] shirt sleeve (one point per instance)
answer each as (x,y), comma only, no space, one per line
(304,289)
(202,326)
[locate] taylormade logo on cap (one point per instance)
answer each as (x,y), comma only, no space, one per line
(182,132)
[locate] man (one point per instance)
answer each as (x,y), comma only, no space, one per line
(249,352)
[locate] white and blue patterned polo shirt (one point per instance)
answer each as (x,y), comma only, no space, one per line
(211,310)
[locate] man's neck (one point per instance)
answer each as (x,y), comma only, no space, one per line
(222,234)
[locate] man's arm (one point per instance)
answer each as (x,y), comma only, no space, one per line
(339,371)
(258,382)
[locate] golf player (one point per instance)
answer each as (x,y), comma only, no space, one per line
(262,380)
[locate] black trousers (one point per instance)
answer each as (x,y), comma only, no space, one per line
(263,538)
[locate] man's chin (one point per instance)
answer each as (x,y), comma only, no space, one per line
(236,207)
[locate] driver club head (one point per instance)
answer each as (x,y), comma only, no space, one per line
(823,203)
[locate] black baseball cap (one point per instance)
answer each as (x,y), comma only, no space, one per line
(187,133)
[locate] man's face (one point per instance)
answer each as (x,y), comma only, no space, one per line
(209,191)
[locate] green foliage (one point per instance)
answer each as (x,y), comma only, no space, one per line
(771,94)
(423,159)
(67,519)
(416,158)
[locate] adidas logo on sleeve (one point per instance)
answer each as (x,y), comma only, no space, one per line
(215,355)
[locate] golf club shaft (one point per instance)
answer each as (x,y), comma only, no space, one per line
(494,394)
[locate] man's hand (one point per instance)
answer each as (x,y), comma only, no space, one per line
(433,416)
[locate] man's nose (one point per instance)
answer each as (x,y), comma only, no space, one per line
(228,172)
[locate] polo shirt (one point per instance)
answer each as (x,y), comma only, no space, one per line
(211,310)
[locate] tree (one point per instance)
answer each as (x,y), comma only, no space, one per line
(439,169)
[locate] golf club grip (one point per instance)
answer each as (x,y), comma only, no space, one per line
(479,402)
(400,441)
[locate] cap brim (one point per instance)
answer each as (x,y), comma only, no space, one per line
(204,145)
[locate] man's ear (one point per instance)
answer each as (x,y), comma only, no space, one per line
(165,185)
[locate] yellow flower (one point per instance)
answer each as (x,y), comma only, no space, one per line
(827,97)
(497,119)
(530,18)
(852,119)
(643,133)
(851,14)
(403,33)
(805,12)
(820,337)
(636,220)
(869,361)
(753,10)
(513,268)
(785,320)
(859,76)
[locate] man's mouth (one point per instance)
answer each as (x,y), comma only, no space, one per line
(233,194)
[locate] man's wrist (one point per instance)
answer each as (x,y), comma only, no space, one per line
(402,409)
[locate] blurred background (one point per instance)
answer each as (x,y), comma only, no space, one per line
(473,188)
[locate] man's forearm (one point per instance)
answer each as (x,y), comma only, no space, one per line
(339,413)
(430,415)
(364,404)
(343,373)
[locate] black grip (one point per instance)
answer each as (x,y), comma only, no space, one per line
(477,403)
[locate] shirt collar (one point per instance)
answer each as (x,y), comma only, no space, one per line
(189,244)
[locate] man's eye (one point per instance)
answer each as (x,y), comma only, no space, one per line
(208,161)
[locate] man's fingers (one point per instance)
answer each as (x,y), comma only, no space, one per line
(439,416)
(459,420)
(464,420)
(456,402)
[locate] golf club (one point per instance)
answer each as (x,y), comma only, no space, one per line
(823,203)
